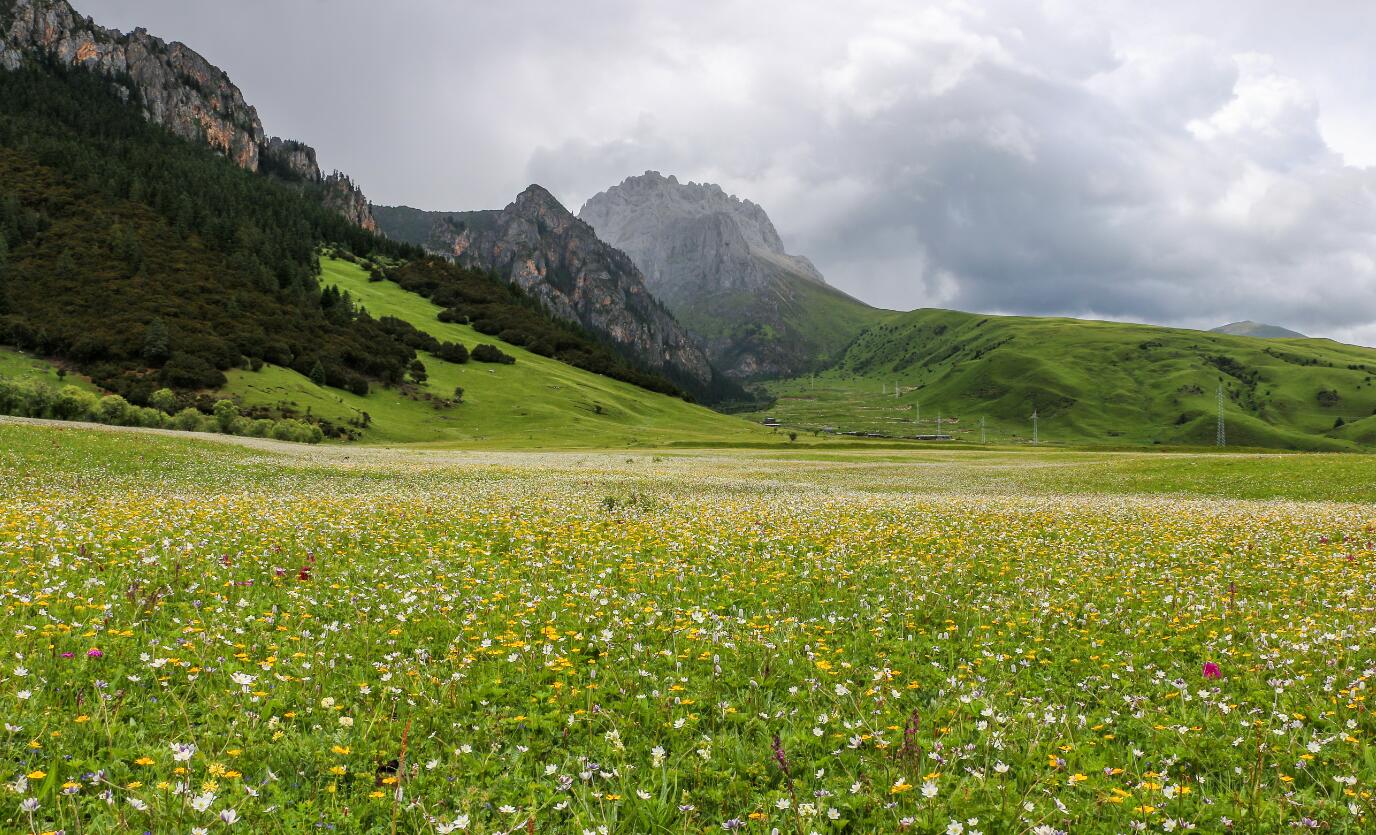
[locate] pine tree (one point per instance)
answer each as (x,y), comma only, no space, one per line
(157,343)
(318,374)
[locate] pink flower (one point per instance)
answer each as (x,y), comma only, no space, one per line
(95,653)
(68,655)
(1211,670)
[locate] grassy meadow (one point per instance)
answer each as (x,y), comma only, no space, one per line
(274,638)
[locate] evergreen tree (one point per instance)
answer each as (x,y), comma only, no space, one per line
(157,343)
(318,374)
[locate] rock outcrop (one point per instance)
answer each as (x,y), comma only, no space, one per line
(179,89)
(719,264)
(344,197)
(540,246)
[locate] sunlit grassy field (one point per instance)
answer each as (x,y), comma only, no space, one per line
(272,638)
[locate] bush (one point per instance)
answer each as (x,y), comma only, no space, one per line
(491,353)
(113,410)
(163,399)
(149,417)
(226,412)
(452,352)
(187,420)
(73,403)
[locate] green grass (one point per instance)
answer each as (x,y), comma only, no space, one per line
(20,365)
(374,640)
(537,402)
(1090,382)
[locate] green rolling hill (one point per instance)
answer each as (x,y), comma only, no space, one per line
(1089,382)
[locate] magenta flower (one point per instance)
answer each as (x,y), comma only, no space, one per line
(1211,670)
(68,655)
(95,653)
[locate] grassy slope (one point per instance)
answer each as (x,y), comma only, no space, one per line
(810,322)
(1091,382)
(536,402)
(18,365)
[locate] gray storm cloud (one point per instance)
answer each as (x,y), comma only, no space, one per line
(1175,165)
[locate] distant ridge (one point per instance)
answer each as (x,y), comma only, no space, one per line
(1257,329)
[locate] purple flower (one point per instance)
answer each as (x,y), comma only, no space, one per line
(94,652)
(1212,670)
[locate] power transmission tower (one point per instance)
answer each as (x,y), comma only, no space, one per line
(1222,438)
(938,423)
(1034,427)
(981,429)
(895,391)
(917,418)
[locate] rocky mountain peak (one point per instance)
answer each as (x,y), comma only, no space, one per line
(719,264)
(178,87)
(665,198)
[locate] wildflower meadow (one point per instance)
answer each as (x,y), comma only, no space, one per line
(215,638)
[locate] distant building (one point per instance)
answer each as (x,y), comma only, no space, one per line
(769,421)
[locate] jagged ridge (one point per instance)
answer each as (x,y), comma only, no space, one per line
(540,246)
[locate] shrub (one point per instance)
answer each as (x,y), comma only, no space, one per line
(113,410)
(225,414)
(491,353)
(187,420)
(164,399)
(452,352)
(73,403)
(149,417)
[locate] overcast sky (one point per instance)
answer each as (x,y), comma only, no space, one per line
(1174,162)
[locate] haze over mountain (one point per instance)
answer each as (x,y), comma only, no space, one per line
(719,264)
(1250,328)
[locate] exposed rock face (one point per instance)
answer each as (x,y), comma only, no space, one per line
(291,160)
(539,245)
(179,88)
(718,263)
(344,197)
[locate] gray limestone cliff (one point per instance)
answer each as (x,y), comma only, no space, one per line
(540,246)
(179,89)
(719,264)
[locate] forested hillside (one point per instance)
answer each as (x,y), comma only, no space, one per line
(147,261)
